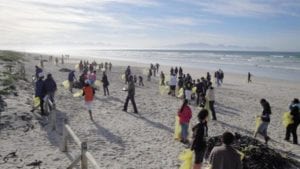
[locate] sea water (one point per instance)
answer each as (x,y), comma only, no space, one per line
(276,65)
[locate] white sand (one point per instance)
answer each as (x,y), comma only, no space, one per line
(120,140)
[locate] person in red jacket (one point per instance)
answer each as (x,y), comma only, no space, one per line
(88,93)
(184,114)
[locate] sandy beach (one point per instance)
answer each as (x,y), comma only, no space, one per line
(120,140)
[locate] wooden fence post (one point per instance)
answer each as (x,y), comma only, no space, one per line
(64,144)
(84,162)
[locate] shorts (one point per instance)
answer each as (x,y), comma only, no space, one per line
(263,128)
(199,155)
(173,88)
(88,105)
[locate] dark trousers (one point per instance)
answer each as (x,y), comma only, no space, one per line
(212,109)
(292,128)
(131,98)
(106,91)
(42,105)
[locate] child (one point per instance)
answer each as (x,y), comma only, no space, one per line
(199,134)
(141,81)
(88,93)
(185,115)
(265,118)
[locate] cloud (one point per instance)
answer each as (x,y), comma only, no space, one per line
(247,8)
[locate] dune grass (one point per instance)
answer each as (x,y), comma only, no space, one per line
(10,56)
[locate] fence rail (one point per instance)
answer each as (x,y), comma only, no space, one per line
(85,156)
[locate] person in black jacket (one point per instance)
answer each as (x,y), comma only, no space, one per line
(50,87)
(105,84)
(199,138)
(130,96)
(292,128)
(40,91)
(200,91)
(265,118)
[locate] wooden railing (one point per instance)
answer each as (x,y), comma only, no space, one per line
(85,156)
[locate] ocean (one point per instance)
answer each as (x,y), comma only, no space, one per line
(276,65)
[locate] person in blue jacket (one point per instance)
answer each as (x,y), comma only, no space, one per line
(40,91)
(50,87)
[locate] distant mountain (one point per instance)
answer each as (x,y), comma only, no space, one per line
(206,46)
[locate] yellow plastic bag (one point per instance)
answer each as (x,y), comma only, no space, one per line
(194,90)
(187,159)
(145,71)
(78,94)
(180,93)
(66,84)
(287,119)
(98,83)
(257,122)
(36,101)
(177,131)
(164,89)
(77,66)
(167,79)
(241,154)
(123,77)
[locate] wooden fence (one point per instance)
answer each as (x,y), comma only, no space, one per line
(85,156)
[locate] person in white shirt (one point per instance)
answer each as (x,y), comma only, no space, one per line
(211,100)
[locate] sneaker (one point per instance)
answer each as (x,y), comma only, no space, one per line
(124,110)
(136,112)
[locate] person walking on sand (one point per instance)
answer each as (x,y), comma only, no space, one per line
(211,100)
(185,115)
(71,79)
(225,156)
(127,74)
(88,93)
(109,66)
(38,70)
(162,78)
(40,91)
(292,128)
(199,138)
(105,84)
(141,83)
(149,75)
(50,87)
(188,90)
(249,77)
(172,83)
(56,61)
(265,118)
(130,96)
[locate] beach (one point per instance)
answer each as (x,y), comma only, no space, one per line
(120,140)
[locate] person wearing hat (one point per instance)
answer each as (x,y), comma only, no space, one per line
(130,96)
(40,91)
(88,93)
(50,87)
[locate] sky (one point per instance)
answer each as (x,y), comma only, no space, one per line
(272,25)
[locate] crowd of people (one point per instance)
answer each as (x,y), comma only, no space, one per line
(200,90)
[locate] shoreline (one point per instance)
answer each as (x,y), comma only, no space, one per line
(120,62)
